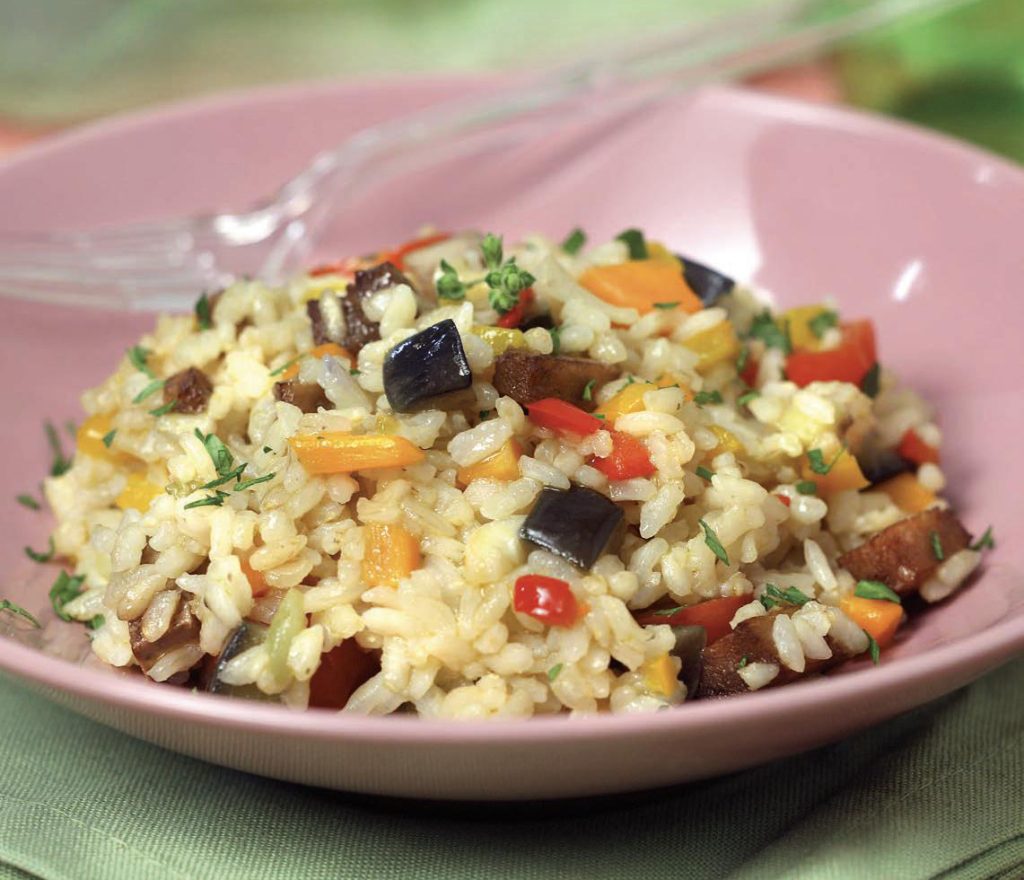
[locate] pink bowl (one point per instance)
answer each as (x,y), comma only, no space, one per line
(918,232)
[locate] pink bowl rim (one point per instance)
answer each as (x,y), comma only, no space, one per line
(983,650)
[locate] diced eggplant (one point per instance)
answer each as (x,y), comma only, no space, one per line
(527,378)
(342,669)
(190,390)
(903,556)
(359,329)
(709,284)
(307,396)
(752,642)
(543,320)
(184,629)
(428,370)
(327,318)
(577,524)
(881,466)
(689,648)
(248,635)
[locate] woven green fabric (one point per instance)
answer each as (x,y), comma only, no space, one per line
(935,793)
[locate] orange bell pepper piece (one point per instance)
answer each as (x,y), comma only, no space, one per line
(880,618)
(328,348)
(845,473)
(907,493)
(337,452)
(641,284)
(390,554)
(502,465)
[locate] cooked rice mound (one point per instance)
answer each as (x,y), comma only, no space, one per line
(404,576)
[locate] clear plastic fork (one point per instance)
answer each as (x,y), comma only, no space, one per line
(166,264)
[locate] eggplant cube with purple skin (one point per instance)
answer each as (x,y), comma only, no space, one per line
(578,524)
(428,370)
(709,284)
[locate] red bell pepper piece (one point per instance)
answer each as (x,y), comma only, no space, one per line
(562,417)
(849,362)
(784,499)
(749,374)
(914,449)
(397,256)
(629,459)
(348,266)
(714,615)
(514,316)
(546,599)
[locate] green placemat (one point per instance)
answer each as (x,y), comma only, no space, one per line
(935,793)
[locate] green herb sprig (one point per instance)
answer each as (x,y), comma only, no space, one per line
(711,539)
(574,241)
(36,556)
(64,589)
(635,243)
(876,590)
(9,606)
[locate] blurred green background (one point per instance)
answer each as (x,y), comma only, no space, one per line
(64,61)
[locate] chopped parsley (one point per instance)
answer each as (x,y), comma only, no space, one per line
(704,473)
(36,556)
(64,589)
(872,381)
(171,405)
(485,414)
(875,590)
(873,648)
(60,463)
(506,284)
(554,671)
(209,501)
(986,541)
(666,305)
(235,474)
(668,612)
(8,605)
(600,416)
(267,449)
(151,388)
(807,487)
(635,242)
(203,312)
(218,452)
(354,372)
(702,397)
(817,460)
(95,622)
(936,542)
(823,322)
(286,365)
(711,539)
(108,438)
(26,500)
(556,340)
(765,328)
(744,399)
(574,241)
(139,358)
(773,596)
(588,390)
(255,481)
(744,660)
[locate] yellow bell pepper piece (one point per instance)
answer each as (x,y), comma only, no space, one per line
(641,284)
(845,473)
(390,554)
(660,675)
(500,339)
(657,251)
(337,452)
(89,439)
(315,286)
(879,618)
(502,465)
(727,441)
(328,348)
(714,345)
(800,332)
(138,493)
(907,493)
(629,400)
